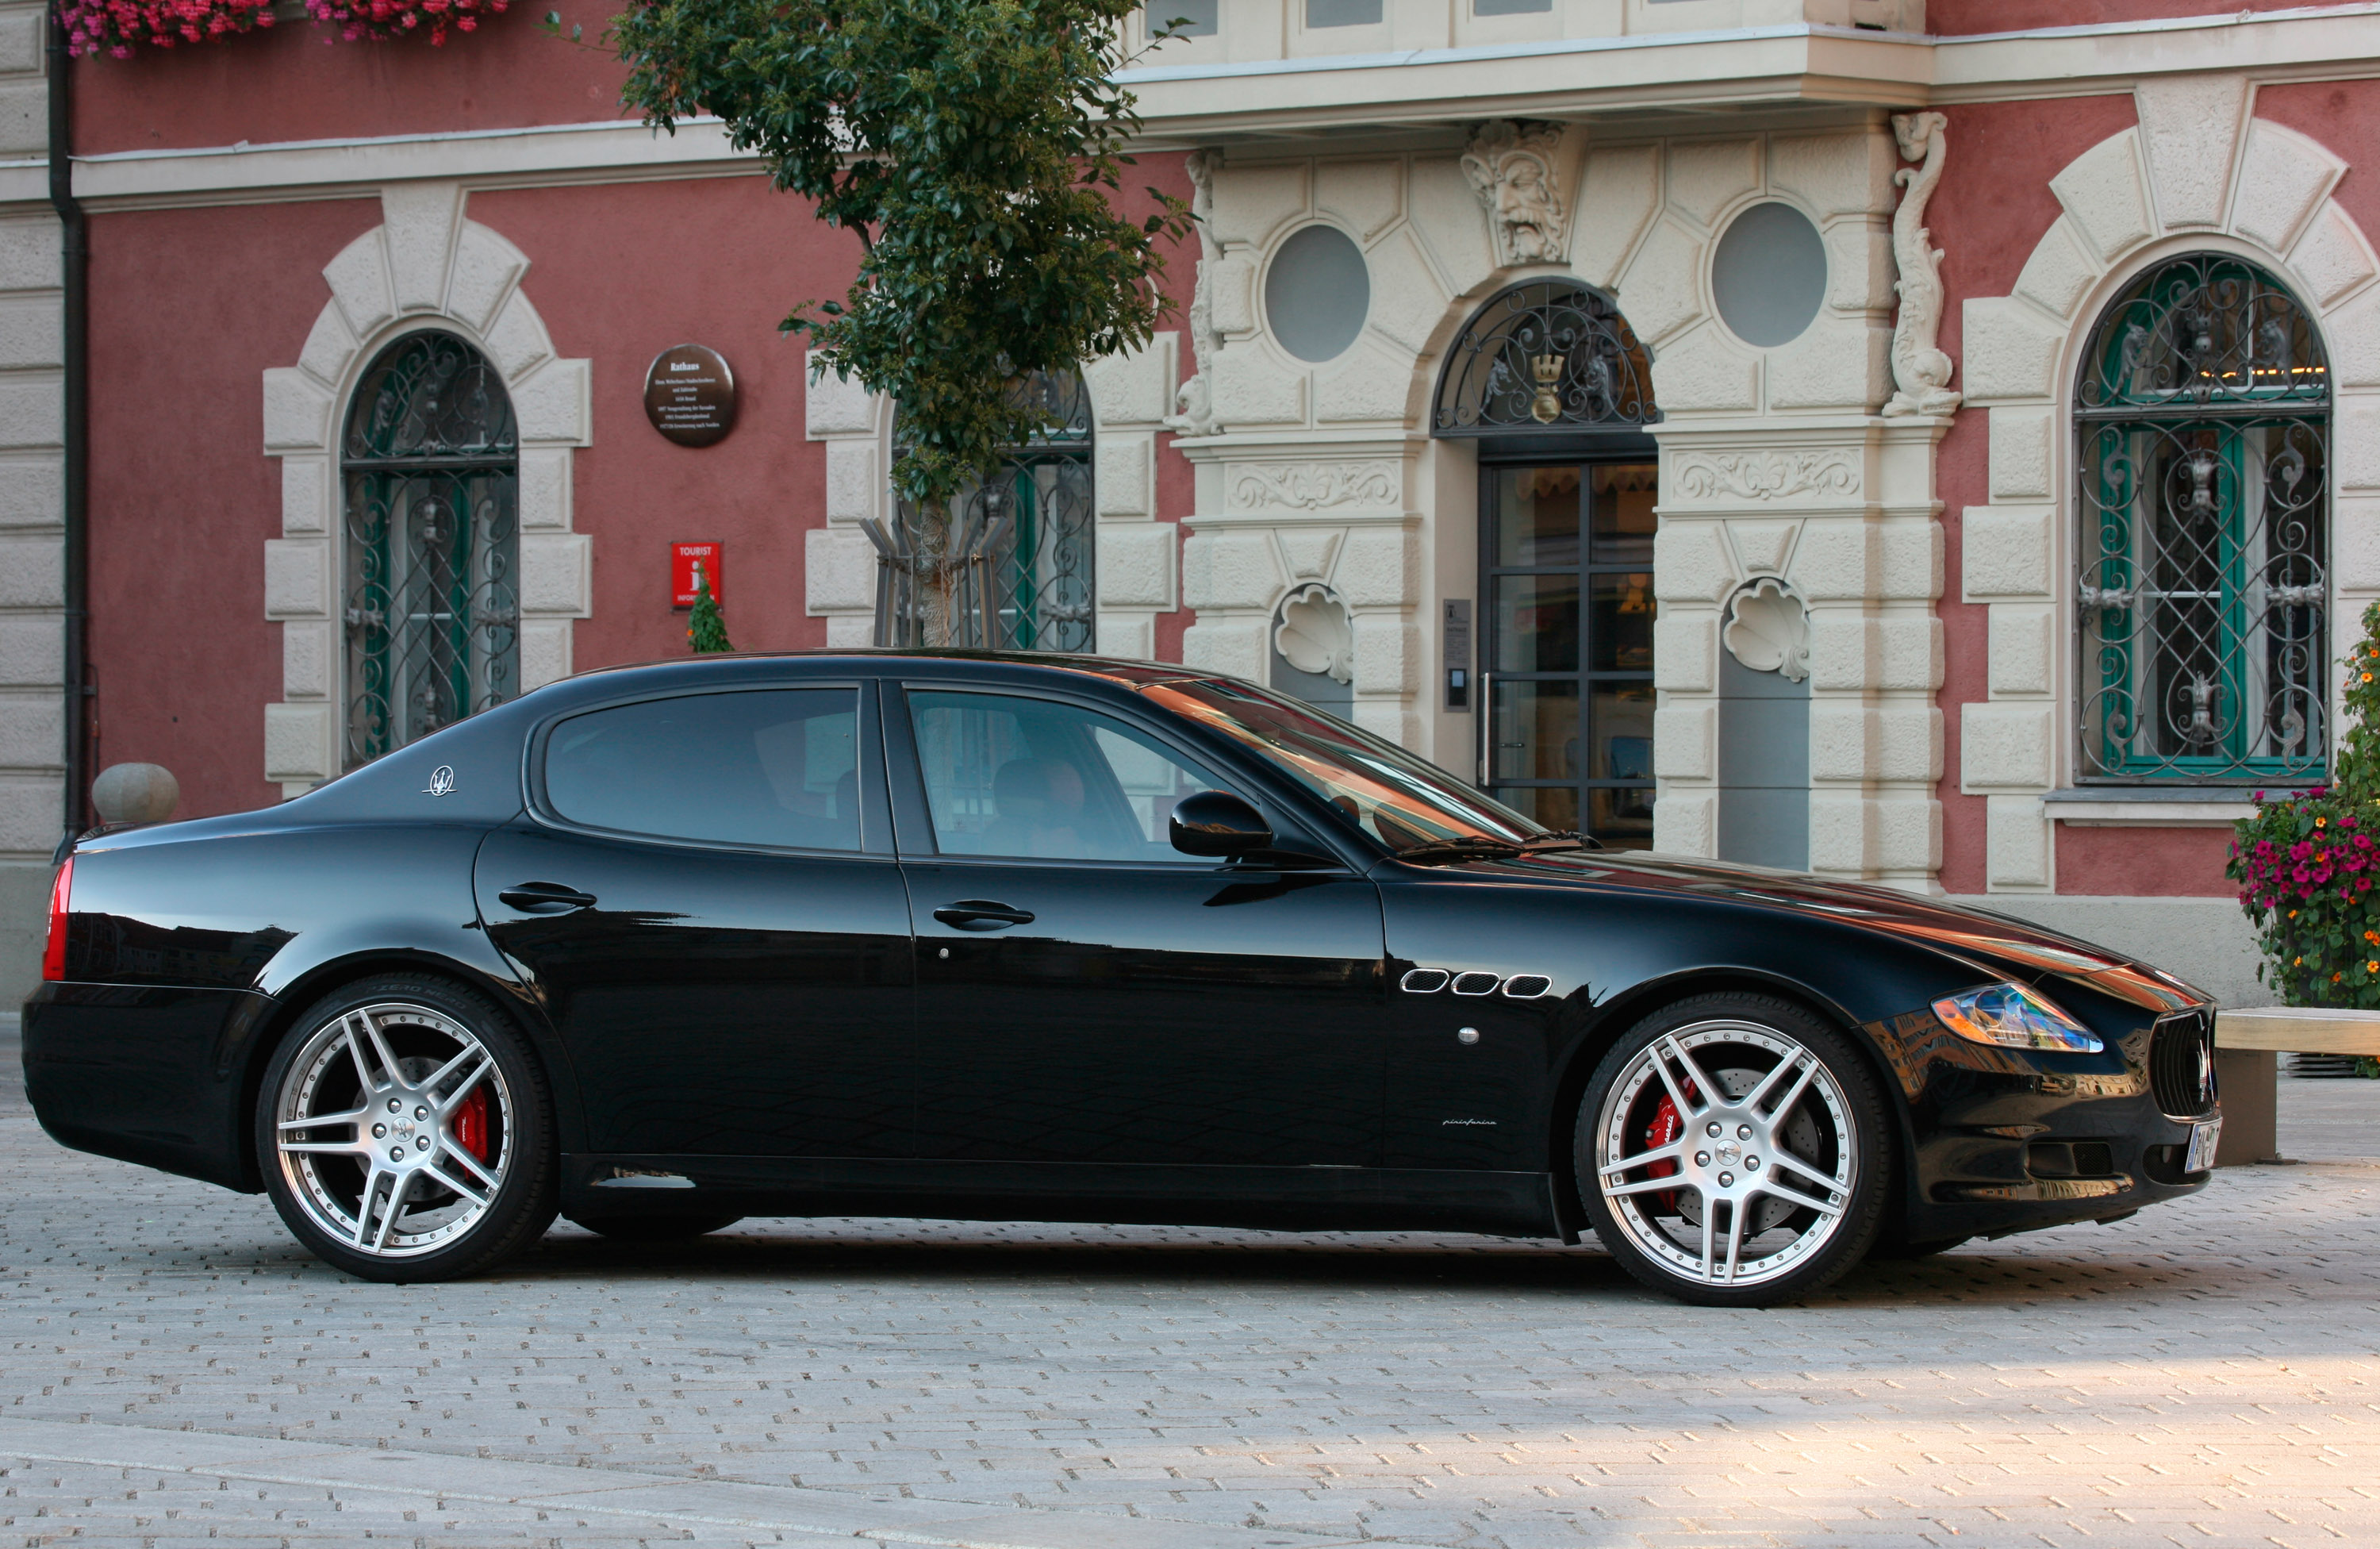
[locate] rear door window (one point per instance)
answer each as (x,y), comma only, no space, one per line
(777,768)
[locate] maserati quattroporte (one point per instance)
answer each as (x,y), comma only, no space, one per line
(1053,938)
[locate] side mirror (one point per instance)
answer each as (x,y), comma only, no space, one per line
(1219,823)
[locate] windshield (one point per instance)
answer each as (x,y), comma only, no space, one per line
(1403,801)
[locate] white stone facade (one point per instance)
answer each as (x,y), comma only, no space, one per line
(2201,173)
(427,265)
(1776,463)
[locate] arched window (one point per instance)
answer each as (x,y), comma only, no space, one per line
(2202,427)
(430,469)
(1040,514)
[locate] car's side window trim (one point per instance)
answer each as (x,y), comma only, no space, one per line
(914,816)
(876,835)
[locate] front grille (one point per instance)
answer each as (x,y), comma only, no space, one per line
(2181,1064)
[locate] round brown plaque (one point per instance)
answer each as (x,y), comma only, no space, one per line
(690,395)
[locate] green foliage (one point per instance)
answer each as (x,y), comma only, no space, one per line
(703,626)
(2306,863)
(974,146)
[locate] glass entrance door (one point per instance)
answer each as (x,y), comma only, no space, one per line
(1567,565)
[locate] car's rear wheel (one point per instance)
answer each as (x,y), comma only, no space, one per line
(406,1131)
(654,1228)
(1733,1150)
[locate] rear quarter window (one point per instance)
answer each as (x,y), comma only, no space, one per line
(773,768)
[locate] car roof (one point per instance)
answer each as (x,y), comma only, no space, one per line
(1122,670)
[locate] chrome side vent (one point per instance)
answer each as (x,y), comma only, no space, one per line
(1527,986)
(1475,984)
(1424,981)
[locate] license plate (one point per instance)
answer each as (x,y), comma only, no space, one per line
(2202,1139)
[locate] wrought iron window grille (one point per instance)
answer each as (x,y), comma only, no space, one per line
(2203,430)
(1544,356)
(1023,542)
(429,467)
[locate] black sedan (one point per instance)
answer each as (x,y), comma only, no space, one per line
(1059,938)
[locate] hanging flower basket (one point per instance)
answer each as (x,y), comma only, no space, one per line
(118,27)
(401,18)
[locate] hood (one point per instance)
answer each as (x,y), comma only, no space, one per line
(1993,942)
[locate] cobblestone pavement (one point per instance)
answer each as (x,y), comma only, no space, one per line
(173,1370)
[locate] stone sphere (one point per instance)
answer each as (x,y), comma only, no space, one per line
(135,793)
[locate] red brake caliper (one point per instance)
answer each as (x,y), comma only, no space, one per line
(1667,1126)
(471,1123)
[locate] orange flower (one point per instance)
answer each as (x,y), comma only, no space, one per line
(2322,823)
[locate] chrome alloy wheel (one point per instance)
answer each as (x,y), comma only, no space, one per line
(392,1126)
(1726,1152)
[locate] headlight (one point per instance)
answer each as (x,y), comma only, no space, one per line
(2012,1017)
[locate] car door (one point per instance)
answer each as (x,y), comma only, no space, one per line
(705,895)
(1088,994)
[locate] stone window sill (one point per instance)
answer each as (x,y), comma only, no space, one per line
(2151,807)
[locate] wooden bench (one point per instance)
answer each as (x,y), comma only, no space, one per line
(2248,1046)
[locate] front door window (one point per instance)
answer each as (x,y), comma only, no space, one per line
(1568,569)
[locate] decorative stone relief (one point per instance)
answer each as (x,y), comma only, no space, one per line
(1316,634)
(1768,630)
(1767,475)
(1312,486)
(1193,402)
(1920,370)
(1511,163)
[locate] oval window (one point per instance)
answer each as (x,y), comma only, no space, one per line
(1769,274)
(1318,293)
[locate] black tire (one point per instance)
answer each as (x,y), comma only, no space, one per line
(1784,1082)
(462,1174)
(654,1228)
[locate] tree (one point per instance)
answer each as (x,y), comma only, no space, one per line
(974,148)
(703,626)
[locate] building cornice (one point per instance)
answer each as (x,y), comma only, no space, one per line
(1797,67)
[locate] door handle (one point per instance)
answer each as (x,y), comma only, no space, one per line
(545,897)
(981,914)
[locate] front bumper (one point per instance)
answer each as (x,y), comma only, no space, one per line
(2012,1141)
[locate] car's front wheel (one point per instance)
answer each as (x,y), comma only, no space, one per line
(1734,1151)
(406,1132)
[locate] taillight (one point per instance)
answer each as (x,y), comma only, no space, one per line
(54,955)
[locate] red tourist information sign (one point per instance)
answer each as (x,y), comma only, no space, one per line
(684,557)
